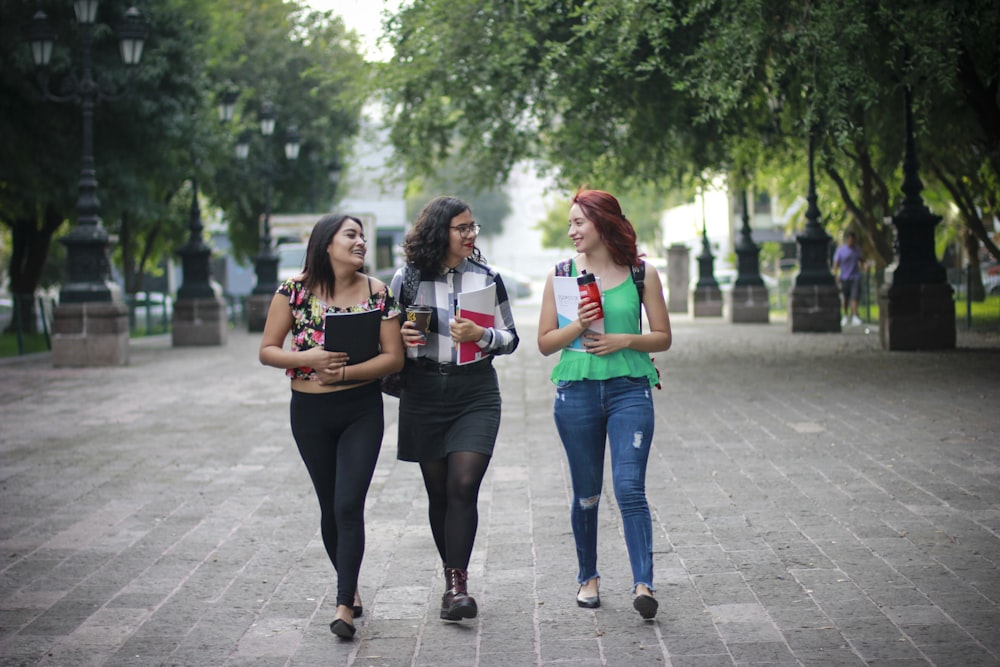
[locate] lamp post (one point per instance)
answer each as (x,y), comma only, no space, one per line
(814,304)
(86,244)
(195,254)
(916,304)
(749,296)
(85,336)
(707,297)
(266,262)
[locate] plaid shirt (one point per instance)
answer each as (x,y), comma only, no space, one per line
(442,292)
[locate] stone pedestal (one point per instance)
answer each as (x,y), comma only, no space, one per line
(257,306)
(707,301)
(678,278)
(200,322)
(90,334)
(814,309)
(749,303)
(919,316)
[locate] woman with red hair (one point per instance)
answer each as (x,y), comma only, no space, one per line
(603,387)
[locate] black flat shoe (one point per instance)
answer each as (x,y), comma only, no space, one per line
(359,611)
(342,629)
(646,605)
(588,602)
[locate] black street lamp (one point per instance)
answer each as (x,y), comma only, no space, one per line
(89,269)
(914,222)
(916,304)
(707,297)
(195,254)
(266,262)
(814,303)
(747,252)
(749,298)
(814,242)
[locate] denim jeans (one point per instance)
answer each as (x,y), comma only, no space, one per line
(587,414)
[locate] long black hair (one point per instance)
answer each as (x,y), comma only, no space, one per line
(426,245)
(318,270)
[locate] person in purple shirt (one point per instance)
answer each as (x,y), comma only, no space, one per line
(847,259)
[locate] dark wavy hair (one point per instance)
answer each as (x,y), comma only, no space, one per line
(426,244)
(318,270)
(602,209)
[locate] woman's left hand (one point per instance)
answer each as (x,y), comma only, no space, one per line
(602,344)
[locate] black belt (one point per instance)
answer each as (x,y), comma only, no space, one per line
(427,366)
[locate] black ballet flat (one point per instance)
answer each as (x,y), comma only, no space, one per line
(646,605)
(359,611)
(592,602)
(342,629)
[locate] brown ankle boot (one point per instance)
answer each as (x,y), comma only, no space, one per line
(456,603)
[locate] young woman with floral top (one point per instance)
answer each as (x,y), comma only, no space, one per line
(336,406)
(449,414)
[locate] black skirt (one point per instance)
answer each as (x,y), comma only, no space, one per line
(440,413)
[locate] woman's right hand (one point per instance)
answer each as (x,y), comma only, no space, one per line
(588,312)
(412,337)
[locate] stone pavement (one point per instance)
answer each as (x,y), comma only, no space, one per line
(816,501)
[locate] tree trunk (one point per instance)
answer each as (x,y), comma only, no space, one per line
(31,238)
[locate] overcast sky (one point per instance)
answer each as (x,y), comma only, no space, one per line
(363,16)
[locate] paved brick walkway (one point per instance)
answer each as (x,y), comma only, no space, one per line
(817,501)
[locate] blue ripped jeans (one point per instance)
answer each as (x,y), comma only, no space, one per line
(619,411)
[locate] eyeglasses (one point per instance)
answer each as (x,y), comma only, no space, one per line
(468,230)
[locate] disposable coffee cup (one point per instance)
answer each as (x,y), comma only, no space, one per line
(421,317)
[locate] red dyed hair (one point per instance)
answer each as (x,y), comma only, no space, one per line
(602,209)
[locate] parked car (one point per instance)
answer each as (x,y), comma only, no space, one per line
(518,285)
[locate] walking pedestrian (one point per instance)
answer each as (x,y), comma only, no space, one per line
(449,412)
(847,258)
(336,405)
(603,389)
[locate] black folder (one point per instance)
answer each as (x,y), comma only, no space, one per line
(357,334)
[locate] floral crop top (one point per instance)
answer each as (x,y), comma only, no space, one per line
(309,317)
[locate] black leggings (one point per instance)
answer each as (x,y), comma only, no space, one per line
(339,436)
(452,485)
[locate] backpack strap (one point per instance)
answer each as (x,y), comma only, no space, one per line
(639,278)
(408,290)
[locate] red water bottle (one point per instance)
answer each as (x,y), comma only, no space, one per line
(588,288)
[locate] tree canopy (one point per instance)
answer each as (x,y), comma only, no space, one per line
(626,91)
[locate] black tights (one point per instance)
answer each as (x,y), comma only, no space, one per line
(452,485)
(339,436)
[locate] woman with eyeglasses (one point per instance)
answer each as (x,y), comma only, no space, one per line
(449,412)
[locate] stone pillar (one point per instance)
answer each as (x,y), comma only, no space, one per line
(92,333)
(200,322)
(678,277)
(257,307)
(916,317)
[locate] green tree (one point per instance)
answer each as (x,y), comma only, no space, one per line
(644,90)
(310,68)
